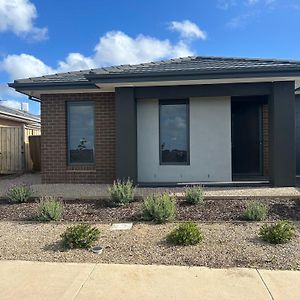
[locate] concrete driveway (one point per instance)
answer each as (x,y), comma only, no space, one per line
(33,280)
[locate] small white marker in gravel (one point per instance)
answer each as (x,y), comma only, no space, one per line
(121,226)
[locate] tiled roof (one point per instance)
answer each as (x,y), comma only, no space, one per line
(18,113)
(191,64)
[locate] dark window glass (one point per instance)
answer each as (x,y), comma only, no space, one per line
(80,133)
(174,132)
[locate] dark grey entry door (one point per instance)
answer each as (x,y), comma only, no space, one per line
(298,133)
(246,138)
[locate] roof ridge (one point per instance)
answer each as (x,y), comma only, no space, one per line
(249,58)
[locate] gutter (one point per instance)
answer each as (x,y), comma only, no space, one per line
(189,75)
(58,85)
(18,118)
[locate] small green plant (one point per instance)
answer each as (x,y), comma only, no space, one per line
(19,193)
(80,236)
(160,209)
(185,234)
(122,192)
(50,209)
(278,233)
(255,211)
(194,194)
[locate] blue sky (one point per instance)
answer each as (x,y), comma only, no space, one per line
(39,37)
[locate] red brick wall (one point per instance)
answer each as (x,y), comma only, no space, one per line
(55,168)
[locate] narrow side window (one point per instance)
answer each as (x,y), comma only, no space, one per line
(81,132)
(174,132)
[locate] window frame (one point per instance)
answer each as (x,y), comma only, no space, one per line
(186,102)
(68,104)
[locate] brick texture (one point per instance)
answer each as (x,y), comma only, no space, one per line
(55,168)
(265,124)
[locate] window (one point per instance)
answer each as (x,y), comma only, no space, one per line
(174,132)
(81,133)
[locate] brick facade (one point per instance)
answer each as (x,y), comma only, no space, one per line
(55,168)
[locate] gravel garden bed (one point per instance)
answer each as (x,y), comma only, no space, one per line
(102,212)
(224,245)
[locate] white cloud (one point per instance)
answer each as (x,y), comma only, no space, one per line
(24,65)
(113,48)
(188,29)
(240,21)
(11,103)
(116,47)
(225,4)
(249,10)
(76,61)
(18,16)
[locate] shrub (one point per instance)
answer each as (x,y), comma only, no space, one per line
(160,209)
(194,195)
(80,236)
(50,209)
(255,211)
(122,192)
(278,233)
(19,193)
(185,234)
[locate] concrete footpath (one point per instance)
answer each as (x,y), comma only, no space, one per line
(36,280)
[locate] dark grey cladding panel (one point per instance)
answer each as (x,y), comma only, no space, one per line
(282,134)
(298,134)
(126,134)
(208,90)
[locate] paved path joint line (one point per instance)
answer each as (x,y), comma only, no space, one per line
(264,283)
(87,278)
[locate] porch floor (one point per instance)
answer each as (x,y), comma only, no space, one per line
(98,191)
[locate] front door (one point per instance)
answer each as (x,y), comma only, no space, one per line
(246,138)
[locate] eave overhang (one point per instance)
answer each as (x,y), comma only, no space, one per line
(108,82)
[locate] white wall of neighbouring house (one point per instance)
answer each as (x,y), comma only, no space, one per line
(210,142)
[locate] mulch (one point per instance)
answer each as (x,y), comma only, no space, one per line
(102,211)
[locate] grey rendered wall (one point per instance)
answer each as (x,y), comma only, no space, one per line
(210,142)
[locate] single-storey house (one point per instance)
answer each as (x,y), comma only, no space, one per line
(17,117)
(185,120)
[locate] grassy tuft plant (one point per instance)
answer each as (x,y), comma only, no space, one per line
(122,192)
(160,209)
(194,194)
(255,212)
(19,193)
(185,234)
(50,209)
(278,233)
(80,236)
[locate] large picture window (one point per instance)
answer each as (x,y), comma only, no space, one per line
(174,132)
(81,132)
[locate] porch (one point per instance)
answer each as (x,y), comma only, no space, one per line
(235,133)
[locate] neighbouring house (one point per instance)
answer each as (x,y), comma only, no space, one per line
(185,120)
(18,117)
(16,125)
